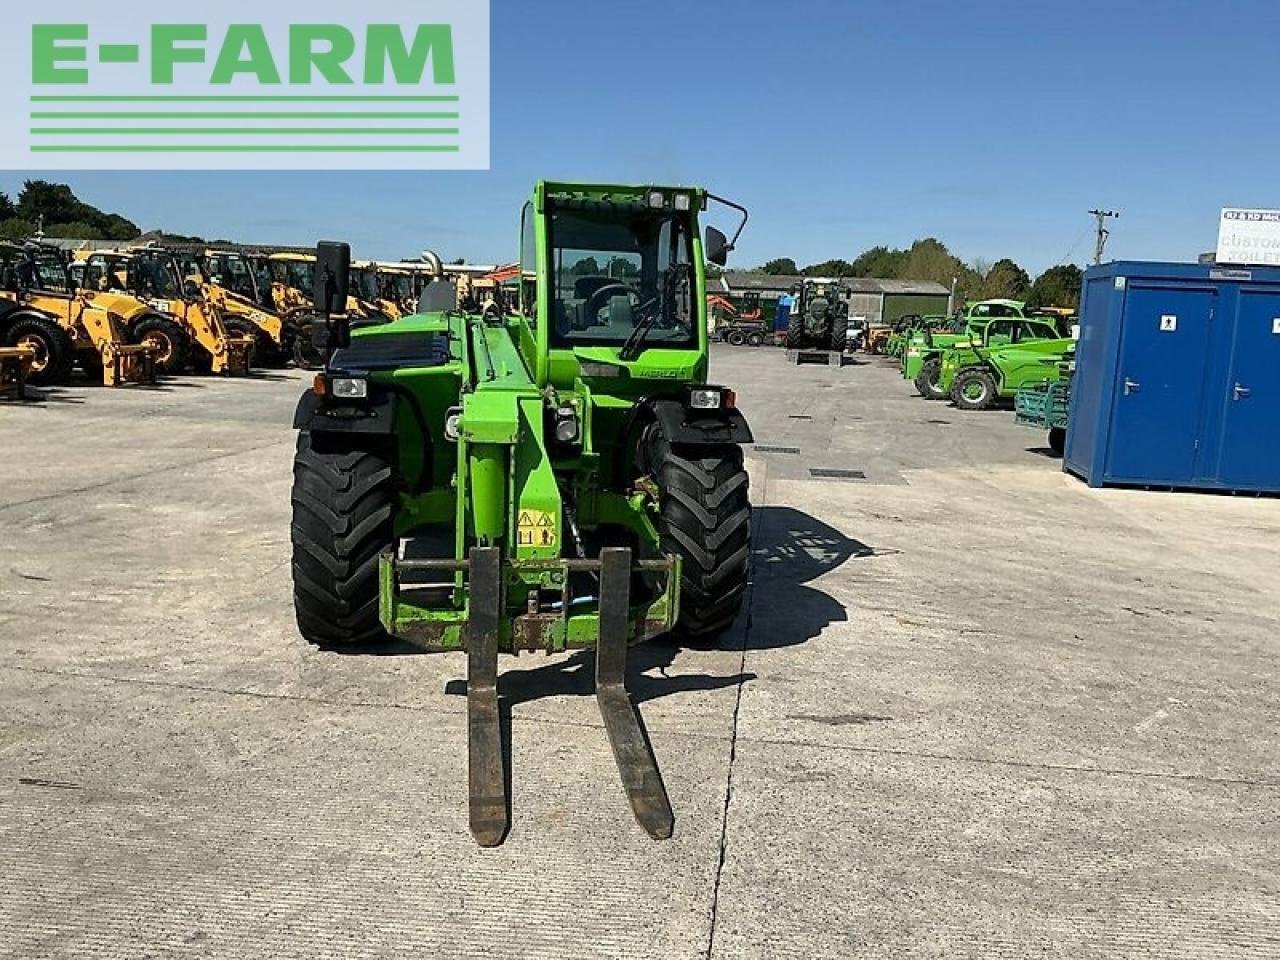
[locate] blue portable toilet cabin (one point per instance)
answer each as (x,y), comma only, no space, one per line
(1177,380)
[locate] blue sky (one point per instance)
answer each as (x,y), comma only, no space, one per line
(992,125)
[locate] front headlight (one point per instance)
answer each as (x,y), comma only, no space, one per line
(348,388)
(712,398)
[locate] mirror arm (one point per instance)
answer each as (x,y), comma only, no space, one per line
(741,226)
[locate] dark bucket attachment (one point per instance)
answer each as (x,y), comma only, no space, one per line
(631,750)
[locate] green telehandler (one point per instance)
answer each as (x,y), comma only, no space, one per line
(977,377)
(987,324)
(562,476)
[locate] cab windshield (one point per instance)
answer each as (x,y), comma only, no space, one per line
(614,274)
(234,274)
(364,284)
(155,275)
(293,273)
(45,270)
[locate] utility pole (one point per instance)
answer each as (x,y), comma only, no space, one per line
(1103,233)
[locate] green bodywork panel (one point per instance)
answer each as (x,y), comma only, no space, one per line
(506,481)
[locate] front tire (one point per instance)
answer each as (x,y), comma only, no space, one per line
(1058,440)
(736,338)
(166,337)
(839,335)
(927,380)
(704,518)
(55,353)
(343,505)
(974,389)
(795,331)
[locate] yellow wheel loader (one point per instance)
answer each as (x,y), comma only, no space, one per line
(230,281)
(374,289)
(41,310)
(150,278)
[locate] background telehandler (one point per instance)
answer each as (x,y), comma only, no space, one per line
(558,477)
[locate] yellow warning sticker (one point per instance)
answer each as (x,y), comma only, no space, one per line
(536,528)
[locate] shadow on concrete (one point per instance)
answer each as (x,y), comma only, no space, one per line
(1047,452)
(791,549)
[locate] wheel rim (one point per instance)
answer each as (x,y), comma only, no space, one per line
(160,343)
(974,391)
(40,363)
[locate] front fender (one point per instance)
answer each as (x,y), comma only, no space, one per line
(700,427)
(376,415)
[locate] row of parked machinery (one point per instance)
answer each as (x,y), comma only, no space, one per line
(131,314)
(996,351)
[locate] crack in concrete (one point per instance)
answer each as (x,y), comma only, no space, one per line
(733,738)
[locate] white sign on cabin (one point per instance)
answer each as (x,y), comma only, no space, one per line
(1249,237)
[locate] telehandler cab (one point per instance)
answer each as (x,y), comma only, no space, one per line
(559,477)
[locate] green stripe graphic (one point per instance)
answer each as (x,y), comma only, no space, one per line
(267,131)
(243,148)
(235,115)
(242,98)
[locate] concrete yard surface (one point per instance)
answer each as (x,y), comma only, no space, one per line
(972,709)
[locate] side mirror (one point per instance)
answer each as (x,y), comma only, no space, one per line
(332,277)
(331,286)
(716,247)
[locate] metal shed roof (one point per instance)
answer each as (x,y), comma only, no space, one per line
(768,281)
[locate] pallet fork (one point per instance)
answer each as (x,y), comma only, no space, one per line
(488,800)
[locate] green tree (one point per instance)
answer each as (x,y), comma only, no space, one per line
(7,209)
(829,268)
(61,211)
(1058,286)
(1005,280)
(15,228)
(880,262)
(781,267)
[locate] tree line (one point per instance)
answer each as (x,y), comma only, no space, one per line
(930,260)
(53,208)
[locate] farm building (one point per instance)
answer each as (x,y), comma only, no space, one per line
(878,301)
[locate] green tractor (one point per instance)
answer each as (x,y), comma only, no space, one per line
(820,318)
(561,476)
(976,378)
